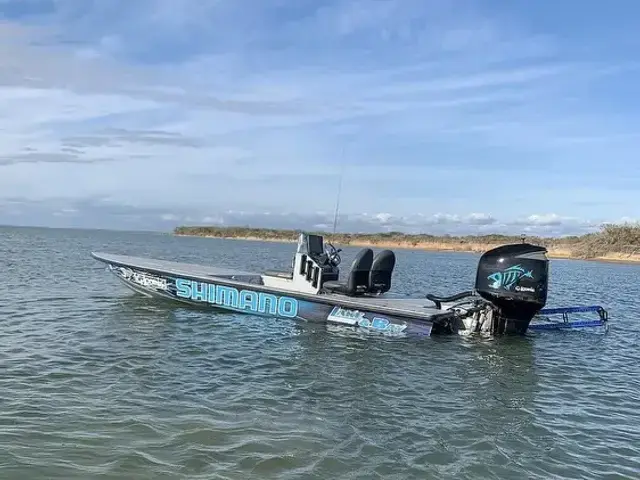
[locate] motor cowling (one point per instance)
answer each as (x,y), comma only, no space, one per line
(514,279)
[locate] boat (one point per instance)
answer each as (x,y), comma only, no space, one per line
(509,295)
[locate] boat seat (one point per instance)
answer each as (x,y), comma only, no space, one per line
(381,271)
(358,280)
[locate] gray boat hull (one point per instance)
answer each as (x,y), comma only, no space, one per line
(244,292)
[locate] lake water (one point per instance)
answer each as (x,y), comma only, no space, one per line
(96,382)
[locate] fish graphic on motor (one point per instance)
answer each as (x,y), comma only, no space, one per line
(508,277)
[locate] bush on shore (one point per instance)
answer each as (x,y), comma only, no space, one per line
(622,239)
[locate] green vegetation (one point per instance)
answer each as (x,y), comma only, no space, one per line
(615,242)
(622,240)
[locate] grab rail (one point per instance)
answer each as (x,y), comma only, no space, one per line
(458,296)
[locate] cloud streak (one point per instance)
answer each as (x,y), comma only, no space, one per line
(104,212)
(432,109)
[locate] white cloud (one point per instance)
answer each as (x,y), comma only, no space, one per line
(480,219)
(99,211)
(550,221)
(383,217)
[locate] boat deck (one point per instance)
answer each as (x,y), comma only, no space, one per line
(204,272)
(419,308)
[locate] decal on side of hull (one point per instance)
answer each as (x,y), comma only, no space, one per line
(231,297)
(358,318)
(250,301)
(144,279)
(345,316)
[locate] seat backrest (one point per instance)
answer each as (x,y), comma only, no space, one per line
(379,280)
(360,268)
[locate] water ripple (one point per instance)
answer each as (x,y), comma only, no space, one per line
(99,383)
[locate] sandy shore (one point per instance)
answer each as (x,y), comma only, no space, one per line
(466,247)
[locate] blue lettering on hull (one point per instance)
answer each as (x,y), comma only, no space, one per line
(359,319)
(232,298)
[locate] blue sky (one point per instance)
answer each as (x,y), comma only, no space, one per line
(447,116)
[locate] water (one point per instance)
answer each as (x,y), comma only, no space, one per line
(96,382)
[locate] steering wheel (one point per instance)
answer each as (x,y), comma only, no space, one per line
(333,254)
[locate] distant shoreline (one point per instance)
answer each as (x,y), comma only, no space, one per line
(595,247)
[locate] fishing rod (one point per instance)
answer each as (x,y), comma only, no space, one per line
(342,168)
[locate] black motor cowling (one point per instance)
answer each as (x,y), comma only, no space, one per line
(514,279)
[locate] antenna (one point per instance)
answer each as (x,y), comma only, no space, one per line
(335,215)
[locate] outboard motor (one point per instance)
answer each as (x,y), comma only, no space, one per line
(514,279)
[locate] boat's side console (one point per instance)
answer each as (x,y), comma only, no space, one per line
(312,267)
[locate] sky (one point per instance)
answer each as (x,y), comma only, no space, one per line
(427,116)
